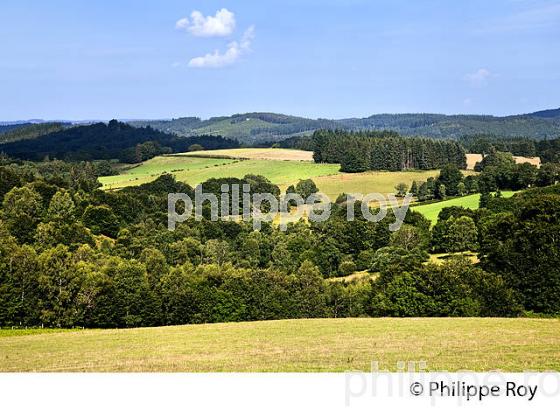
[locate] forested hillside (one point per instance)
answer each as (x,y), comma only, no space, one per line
(5,127)
(455,126)
(546,113)
(115,140)
(257,128)
(260,128)
(248,128)
(30,131)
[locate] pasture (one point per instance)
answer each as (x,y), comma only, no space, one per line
(368,182)
(147,171)
(431,211)
(194,170)
(282,167)
(305,345)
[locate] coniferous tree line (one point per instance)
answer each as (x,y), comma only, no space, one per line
(384,150)
(547,149)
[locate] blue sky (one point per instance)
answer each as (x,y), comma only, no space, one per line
(75,59)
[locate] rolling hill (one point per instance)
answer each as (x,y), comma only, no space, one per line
(254,128)
(247,128)
(102,141)
(455,126)
(264,128)
(7,127)
(29,131)
(546,114)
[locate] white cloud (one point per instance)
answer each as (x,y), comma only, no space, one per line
(220,25)
(479,78)
(234,51)
(182,24)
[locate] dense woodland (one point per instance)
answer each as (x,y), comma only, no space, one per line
(538,125)
(250,128)
(8,127)
(384,150)
(30,131)
(115,140)
(258,127)
(73,255)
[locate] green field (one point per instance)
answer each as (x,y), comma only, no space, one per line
(305,345)
(194,170)
(431,211)
(281,166)
(150,170)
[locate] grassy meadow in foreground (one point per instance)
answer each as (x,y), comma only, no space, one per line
(452,344)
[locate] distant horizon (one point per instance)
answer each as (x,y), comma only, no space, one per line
(76,120)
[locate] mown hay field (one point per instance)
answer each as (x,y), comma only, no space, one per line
(304,345)
(279,154)
(472,159)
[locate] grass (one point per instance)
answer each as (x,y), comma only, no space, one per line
(150,170)
(368,182)
(281,166)
(431,211)
(194,170)
(31,331)
(440,258)
(478,344)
